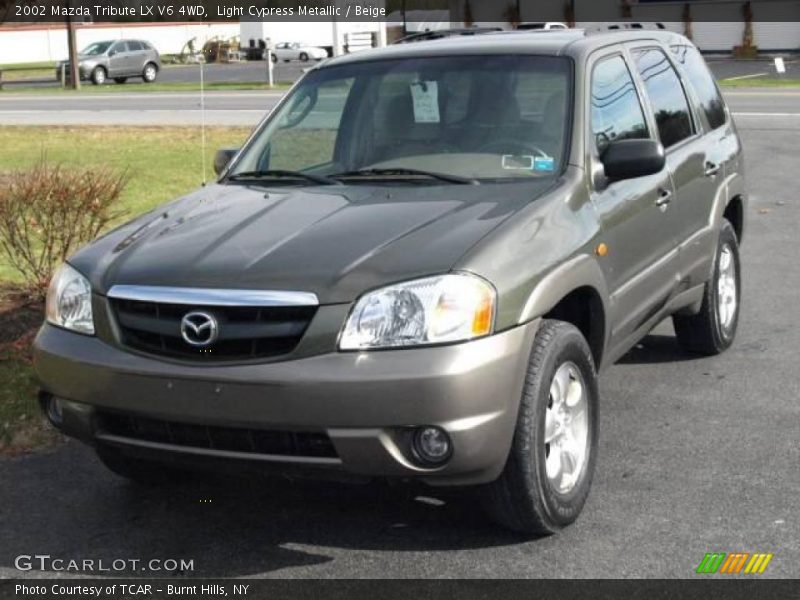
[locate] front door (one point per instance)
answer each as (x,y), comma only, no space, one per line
(641,262)
(117,57)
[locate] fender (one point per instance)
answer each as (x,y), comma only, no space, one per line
(580,271)
(698,250)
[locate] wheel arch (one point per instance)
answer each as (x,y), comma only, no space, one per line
(734,213)
(575,292)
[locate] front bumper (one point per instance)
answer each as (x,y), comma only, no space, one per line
(364,402)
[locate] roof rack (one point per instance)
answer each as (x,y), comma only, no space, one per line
(425,36)
(624,25)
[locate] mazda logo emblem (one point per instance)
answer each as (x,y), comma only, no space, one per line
(199,329)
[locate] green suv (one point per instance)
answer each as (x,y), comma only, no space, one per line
(414,269)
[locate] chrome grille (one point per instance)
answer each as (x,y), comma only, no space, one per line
(246,332)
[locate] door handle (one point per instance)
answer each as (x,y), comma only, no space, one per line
(711,169)
(664,198)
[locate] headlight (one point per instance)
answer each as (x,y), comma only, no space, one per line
(69,301)
(435,310)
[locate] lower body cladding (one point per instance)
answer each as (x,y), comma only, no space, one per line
(445,415)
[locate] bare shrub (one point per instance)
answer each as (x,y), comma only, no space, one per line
(49,211)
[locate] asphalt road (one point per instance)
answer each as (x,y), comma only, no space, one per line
(696,455)
(247,108)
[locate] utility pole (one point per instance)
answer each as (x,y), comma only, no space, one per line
(73,53)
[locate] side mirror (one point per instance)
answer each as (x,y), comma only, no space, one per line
(628,159)
(112,53)
(222,158)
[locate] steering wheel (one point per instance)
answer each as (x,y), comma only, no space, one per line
(512,147)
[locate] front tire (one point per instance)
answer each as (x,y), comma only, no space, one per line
(303,57)
(547,476)
(713,329)
(98,76)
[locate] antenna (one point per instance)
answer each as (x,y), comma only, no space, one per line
(203,120)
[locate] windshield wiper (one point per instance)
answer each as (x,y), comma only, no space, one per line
(402,171)
(281,174)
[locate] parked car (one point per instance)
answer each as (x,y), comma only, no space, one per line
(414,269)
(115,59)
(541,26)
(288,51)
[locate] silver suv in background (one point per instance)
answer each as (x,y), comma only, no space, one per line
(117,60)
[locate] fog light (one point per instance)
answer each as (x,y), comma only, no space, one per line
(432,445)
(54,411)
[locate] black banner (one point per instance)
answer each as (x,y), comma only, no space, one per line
(342,589)
(397,11)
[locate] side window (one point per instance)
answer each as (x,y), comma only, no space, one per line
(666,96)
(307,135)
(119,47)
(616,111)
(703,83)
(134,46)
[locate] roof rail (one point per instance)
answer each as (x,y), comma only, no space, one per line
(425,36)
(626,25)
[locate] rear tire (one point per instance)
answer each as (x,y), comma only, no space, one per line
(98,76)
(547,476)
(140,471)
(303,57)
(713,329)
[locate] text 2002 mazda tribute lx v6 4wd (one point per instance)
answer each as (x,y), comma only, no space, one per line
(413,269)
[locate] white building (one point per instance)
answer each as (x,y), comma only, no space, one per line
(43,43)
(717,25)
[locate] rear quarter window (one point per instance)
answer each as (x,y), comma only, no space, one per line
(701,80)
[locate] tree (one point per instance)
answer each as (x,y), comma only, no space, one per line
(469,20)
(74,75)
(687,20)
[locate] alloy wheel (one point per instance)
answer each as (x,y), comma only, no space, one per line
(566,428)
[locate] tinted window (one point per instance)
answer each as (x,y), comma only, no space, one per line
(703,83)
(96,48)
(134,46)
(616,111)
(119,47)
(666,96)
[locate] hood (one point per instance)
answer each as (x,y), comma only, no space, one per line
(336,242)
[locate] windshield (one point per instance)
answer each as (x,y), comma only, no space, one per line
(96,48)
(477,117)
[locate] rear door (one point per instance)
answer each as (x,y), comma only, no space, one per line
(641,263)
(136,58)
(695,172)
(721,149)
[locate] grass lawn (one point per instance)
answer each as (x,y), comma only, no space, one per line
(755,82)
(22,425)
(37,70)
(163,162)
